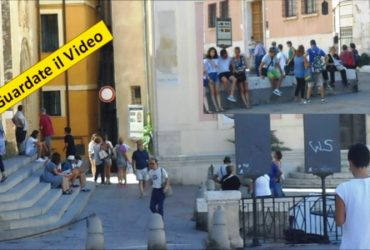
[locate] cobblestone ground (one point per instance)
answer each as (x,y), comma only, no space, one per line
(125,218)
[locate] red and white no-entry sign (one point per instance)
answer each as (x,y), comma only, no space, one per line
(107,94)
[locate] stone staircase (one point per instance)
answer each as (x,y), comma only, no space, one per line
(29,207)
(300,179)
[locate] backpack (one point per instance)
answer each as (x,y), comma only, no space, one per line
(317,65)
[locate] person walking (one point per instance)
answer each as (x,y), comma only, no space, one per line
(46,128)
(99,161)
(300,66)
(333,64)
(276,175)
(211,69)
(140,160)
(274,73)
(122,161)
(352,203)
(160,183)
(69,142)
(225,76)
(2,153)
(108,148)
(316,55)
(21,127)
(259,53)
(239,66)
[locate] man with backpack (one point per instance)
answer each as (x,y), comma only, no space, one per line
(316,56)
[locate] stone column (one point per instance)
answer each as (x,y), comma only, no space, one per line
(230,202)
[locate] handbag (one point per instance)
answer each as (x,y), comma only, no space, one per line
(103,155)
(338,65)
(167,191)
(264,70)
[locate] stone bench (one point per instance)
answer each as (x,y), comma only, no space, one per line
(260,91)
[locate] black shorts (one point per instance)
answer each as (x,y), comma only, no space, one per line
(240,76)
(224,74)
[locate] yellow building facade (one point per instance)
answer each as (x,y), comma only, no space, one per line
(72,98)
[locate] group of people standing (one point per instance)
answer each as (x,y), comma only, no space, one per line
(311,67)
(267,185)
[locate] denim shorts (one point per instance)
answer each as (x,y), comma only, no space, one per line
(213,76)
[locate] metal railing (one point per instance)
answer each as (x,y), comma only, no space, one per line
(293,219)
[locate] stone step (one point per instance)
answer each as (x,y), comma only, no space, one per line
(19,175)
(19,190)
(71,214)
(28,200)
(299,175)
(53,215)
(312,183)
(41,207)
(17,162)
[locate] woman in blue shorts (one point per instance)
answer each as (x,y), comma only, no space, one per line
(211,68)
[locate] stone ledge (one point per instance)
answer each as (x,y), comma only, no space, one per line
(223,195)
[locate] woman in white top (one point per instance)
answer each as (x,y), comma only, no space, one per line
(352,206)
(91,154)
(225,76)
(210,70)
(33,146)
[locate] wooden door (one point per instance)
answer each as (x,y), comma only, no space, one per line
(257,22)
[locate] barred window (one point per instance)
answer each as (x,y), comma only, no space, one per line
(309,7)
(224,9)
(212,9)
(346,35)
(289,8)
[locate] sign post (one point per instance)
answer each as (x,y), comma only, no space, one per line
(253,153)
(322,152)
(224,36)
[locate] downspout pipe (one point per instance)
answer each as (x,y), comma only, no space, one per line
(66,75)
(38,38)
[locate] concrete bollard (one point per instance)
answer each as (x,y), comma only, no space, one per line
(95,234)
(219,236)
(157,236)
(211,186)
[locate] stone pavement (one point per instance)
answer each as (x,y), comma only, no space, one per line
(355,103)
(125,218)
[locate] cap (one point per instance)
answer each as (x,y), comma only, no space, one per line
(227,159)
(71,158)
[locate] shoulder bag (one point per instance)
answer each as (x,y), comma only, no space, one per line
(167,192)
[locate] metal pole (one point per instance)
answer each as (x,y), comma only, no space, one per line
(255,242)
(325,215)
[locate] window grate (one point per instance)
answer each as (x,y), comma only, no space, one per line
(49,32)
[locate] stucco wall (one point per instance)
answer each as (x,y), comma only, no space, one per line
(129,64)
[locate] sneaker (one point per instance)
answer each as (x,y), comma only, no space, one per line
(231,98)
(277,92)
(4,178)
(75,185)
(85,190)
(323,100)
(307,101)
(40,160)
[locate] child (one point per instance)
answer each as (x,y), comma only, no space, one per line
(352,201)
(69,141)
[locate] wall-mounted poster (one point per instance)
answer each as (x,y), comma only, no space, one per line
(136,121)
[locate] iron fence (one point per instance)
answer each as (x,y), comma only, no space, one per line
(293,219)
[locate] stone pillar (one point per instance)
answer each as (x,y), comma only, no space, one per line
(219,236)
(95,234)
(230,202)
(157,236)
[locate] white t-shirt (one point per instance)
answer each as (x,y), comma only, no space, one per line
(224,64)
(263,186)
(356,229)
(210,65)
(31,148)
(221,172)
(267,61)
(282,59)
(91,147)
(156,177)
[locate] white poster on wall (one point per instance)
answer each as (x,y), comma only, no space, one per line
(166,60)
(136,121)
